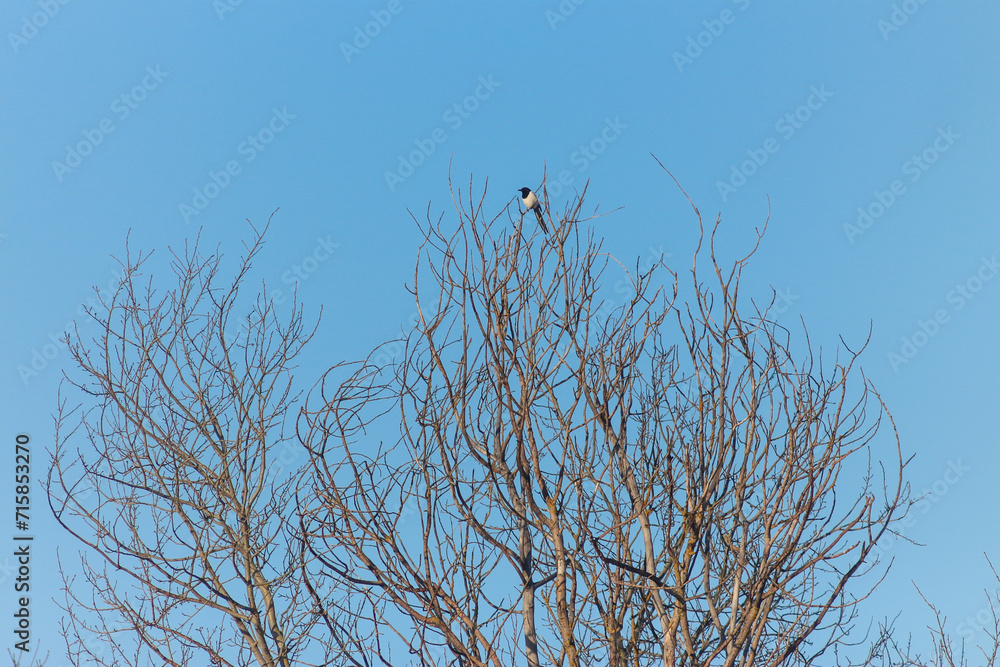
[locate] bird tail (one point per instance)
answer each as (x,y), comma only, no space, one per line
(541,219)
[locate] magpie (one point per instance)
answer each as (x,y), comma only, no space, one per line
(531,203)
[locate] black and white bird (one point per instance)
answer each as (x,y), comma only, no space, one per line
(531,203)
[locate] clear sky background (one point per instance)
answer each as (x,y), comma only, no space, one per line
(116,115)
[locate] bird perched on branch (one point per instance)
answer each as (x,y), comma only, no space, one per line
(531,203)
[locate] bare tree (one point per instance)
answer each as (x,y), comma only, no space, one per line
(583,482)
(575,481)
(169,474)
(945,649)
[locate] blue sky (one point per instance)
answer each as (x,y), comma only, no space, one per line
(869,129)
